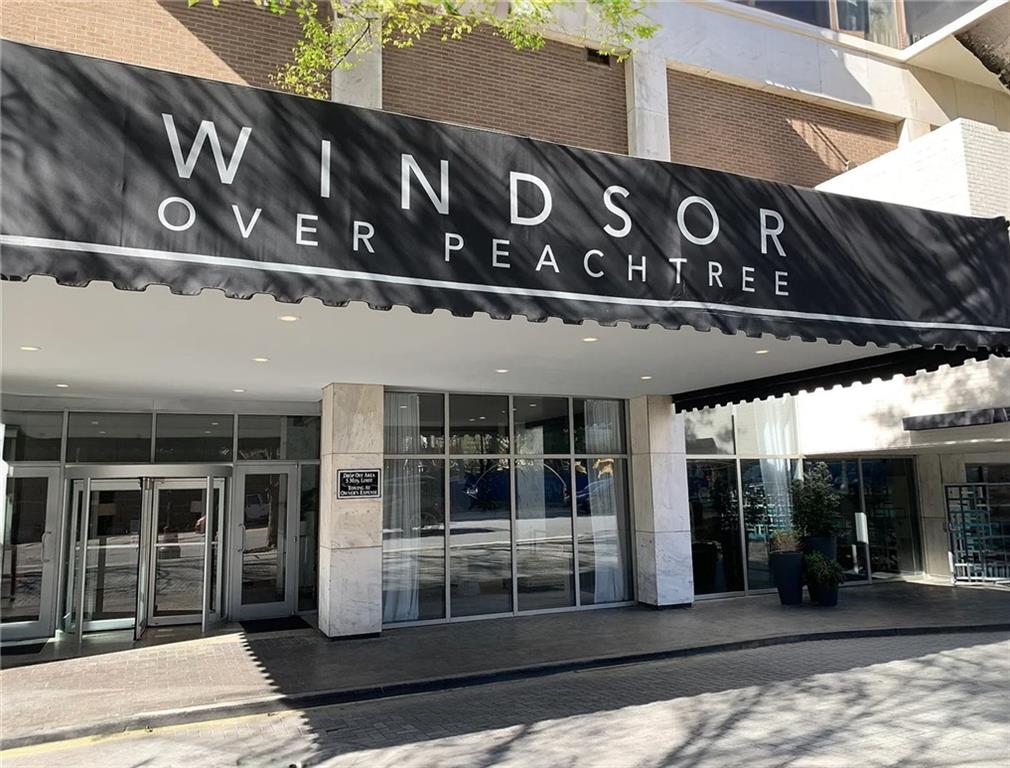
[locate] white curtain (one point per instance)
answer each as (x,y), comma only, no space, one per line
(775,421)
(606,484)
(401,510)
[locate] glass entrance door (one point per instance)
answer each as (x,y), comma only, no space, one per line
(29,531)
(265,538)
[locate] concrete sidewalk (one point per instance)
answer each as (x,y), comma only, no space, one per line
(240,674)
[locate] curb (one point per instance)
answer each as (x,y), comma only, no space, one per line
(314,699)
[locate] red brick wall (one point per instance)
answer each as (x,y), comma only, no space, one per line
(482,81)
(237,42)
(754,133)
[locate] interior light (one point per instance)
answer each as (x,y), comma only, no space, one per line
(101,432)
(288,318)
(238,390)
(261,359)
(590,339)
(62,386)
(533,405)
(501,370)
(206,431)
(94,423)
(482,418)
(402,407)
(30,348)
(645,378)
(214,423)
(473,419)
(760,351)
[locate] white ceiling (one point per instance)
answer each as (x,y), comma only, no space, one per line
(105,342)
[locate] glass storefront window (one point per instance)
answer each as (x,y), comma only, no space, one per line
(709,432)
(852,540)
(544,561)
(541,425)
(987,473)
(599,426)
(413,540)
(308,537)
(32,436)
(480,536)
(109,437)
(604,530)
(767,508)
(715,526)
(478,424)
(414,423)
(184,437)
(891,515)
(267,438)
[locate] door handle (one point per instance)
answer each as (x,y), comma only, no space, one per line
(46,554)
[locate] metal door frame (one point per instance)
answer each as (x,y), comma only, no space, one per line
(962,570)
(45,624)
(287,607)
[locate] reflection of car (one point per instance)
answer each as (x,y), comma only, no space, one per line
(257,507)
(594,494)
(491,490)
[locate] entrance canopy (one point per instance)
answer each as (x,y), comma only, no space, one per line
(138,177)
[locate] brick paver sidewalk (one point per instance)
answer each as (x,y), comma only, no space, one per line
(104,690)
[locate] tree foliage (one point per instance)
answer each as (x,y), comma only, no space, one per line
(336,32)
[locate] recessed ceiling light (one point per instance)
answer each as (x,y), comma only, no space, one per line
(62,386)
(501,370)
(206,431)
(101,432)
(402,407)
(482,418)
(30,348)
(261,359)
(590,339)
(645,378)
(760,351)
(473,419)
(288,318)
(214,423)
(533,405)
(238,389)
(94,423)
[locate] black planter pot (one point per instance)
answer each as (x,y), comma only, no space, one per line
(825,596)
(826,545)
(787,573)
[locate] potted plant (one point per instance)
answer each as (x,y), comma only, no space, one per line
(815,511)
(823,577)
(786,562)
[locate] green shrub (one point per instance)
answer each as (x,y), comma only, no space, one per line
(815,503)
(822,573)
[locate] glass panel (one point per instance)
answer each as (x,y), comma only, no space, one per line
(308,538)
(478,424)
(874,20)
(480,543)
(302,437)
(987,473)
(260,437)
(179,550)
(32,436)
(766,428)
(414,423)
(545,566)
(767,508)
(112,437)
(21,572)
(816,12)
(541,425)
(891,514)
(851,548)
(604,531)
(113,545)
(923,17)
(715,526)
(264,515)
(413,540)
(191,437)
(599,426)
(710,431)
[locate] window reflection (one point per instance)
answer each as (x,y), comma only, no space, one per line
(852,540)
(413,540)
(478,424)
(891,515)
(715,526)
(414,423)
(599,426)
(32,436)
(541,425)
(767,508)
(480,540)
(544,561)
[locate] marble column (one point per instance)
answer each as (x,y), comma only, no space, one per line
(648,108)
(662,513)
(350,530)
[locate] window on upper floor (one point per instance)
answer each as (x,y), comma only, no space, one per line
(894,23)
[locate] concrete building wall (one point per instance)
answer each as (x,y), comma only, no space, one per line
(766,135)
(237,42)
(555,94)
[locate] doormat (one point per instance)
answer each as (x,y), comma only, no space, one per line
(274,625)
(22,650)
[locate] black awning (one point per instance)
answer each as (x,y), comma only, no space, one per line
(137,176)
(861,371)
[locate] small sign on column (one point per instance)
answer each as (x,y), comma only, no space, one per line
(359,484)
